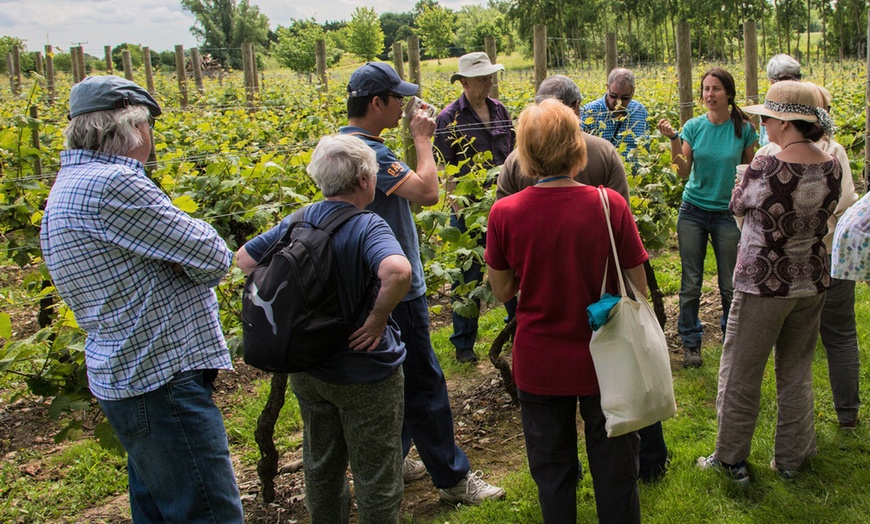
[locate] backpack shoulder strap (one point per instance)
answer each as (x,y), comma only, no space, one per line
(339,218)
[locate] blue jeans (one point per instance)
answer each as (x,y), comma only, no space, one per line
(694,227)
(178,460)
(428,418)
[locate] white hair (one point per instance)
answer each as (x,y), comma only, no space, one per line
(338,160)
(113,132)
(783,65)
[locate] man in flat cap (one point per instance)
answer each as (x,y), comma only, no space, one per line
(473,124)
(137,272)
(374,103)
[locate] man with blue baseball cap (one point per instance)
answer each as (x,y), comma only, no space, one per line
(375,96)
(138,273)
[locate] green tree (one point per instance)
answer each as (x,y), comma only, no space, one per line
(390,25)
(224,24)
(296,45)
(135,55)
(366,36)
(26,60)
(436,27)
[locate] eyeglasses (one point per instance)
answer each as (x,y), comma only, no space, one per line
(150,122)
(400,98)
(623,98)
(786,77)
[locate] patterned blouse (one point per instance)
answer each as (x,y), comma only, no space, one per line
(785,208)
(851,258)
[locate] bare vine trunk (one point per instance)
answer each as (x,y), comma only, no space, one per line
(267,466)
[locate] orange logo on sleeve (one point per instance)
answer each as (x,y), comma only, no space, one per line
(395,169)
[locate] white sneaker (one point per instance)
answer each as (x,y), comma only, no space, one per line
(412,470)
(471,490)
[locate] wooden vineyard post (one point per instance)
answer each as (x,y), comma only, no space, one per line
(49,73)
(750,63)
(248,69)
(684,66)
(127,62)
(108,51)
(16,69)
(399,59)
(320,62)
(181,74)
(414,74)
(610,52)
(149,73)
(196,65)
(489,45)
(74,64)
(34,141)
(39,63)
(540,53)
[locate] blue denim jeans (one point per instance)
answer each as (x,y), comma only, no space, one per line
(694,227)
(428,417)
(178,460)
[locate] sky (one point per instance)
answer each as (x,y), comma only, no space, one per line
(159,24)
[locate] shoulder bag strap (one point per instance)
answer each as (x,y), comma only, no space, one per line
(605,203)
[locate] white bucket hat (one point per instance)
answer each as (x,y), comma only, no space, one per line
(475,64)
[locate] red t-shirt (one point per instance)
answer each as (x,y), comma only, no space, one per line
(556,240)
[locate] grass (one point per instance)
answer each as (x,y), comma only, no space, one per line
(830,488)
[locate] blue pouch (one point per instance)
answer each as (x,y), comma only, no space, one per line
(599,311)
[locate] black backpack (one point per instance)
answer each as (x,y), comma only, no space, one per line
(291,312)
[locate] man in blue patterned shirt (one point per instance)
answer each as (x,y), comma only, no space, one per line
(137,272)
(616,117)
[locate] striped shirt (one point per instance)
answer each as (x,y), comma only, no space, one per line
(616,127)
(111,238)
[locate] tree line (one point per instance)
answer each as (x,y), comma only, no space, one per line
(576,30)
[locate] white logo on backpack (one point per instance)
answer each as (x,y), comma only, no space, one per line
(267,305)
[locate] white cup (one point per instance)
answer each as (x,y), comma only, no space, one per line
(741,168)
(414,103)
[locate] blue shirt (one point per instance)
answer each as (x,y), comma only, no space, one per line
(716,151)
(396,210)
(460,134)
(359,246)
(616,127)
(110,239)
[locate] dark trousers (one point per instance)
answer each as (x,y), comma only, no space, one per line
(428,418)
(550,429)
(653,452)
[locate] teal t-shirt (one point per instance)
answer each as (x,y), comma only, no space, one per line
(716,152)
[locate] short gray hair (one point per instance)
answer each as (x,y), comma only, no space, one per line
(560,87)
(338,160)
(113,132)
(622,77)
(783,65)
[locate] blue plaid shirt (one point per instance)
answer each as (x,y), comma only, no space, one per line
(616,128)
(110,239)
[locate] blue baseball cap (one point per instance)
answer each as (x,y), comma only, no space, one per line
(103,93)
(376,78)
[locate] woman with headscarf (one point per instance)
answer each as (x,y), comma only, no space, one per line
(782,271)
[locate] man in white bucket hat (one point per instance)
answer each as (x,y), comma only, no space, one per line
(474,123)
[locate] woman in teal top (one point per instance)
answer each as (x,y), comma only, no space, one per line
(707,152)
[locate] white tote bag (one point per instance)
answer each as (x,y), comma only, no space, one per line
(631,358)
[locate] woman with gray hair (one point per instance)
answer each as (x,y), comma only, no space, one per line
(352,404)
(780,67)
